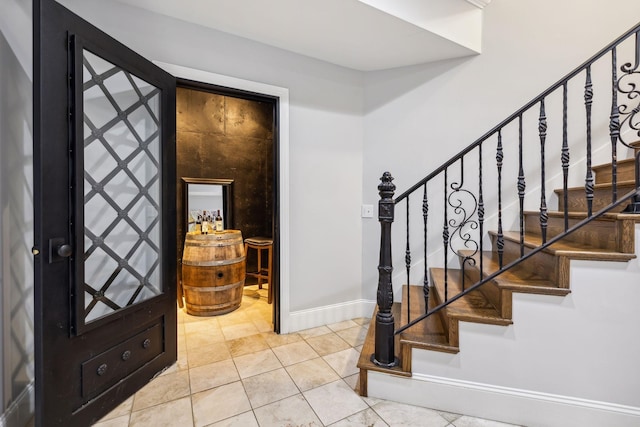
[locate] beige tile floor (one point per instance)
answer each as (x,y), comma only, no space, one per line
(232,370)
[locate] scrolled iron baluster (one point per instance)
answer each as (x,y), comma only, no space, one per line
(407,262)
(542,131)
(521,185)
(384,343)
(425,215)
(565,158)
(629,85)
(588,101)
(500,237)
(465,205)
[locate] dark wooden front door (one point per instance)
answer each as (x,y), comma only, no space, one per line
(104,189)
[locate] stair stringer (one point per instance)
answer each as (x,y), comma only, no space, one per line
(564,361)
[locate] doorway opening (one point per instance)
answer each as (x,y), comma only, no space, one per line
(230,136)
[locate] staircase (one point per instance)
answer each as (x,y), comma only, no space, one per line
(610,237)
(537,257)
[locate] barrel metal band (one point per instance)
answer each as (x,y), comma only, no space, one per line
(210,263)
(213,288)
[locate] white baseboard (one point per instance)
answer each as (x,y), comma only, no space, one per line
(319,316)
(509,405)
(21,410)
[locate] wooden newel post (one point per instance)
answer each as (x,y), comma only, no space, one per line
(385,352)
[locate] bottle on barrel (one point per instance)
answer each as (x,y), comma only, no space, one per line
(205,222)
(199,224)
(219,226)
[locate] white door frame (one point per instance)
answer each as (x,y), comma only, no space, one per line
(282,94)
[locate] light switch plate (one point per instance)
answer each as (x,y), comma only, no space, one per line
(367,211)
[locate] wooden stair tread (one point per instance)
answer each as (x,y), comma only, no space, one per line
(625,170)
(369,346)
(567,248)
(611,231)
(630,160)
(609,216)
(517,278)
(427,334)
(628,185)
(473,307)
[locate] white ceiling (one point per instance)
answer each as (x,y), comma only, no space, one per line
(359,34)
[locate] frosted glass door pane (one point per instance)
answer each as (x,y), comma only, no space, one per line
(121,188)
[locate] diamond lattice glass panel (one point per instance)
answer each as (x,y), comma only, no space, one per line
(122,191)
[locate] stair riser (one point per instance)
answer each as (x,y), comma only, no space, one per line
(550,267)
(577,201)
(625,172)
(501,299)
(433,295)
(604,234)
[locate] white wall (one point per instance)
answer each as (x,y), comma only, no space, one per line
(418,117)
(326,138)
(16,213)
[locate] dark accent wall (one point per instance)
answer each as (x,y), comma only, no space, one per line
(221,136)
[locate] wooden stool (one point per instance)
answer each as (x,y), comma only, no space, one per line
(260,244)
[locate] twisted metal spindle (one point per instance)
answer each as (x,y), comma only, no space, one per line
(480,208)
(588,100)
(565,158)
(500,237)
(445,239)
(521,184)
(425,215)
(407,263)
(542,131)
(614,125)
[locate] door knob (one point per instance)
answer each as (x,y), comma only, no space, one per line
(64,251)
(59,250)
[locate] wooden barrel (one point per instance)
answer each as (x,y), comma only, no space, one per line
(213,272)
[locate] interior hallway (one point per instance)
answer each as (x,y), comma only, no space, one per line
(232,370)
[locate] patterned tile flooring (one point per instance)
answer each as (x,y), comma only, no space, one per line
(232,370)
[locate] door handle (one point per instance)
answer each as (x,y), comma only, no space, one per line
(64,251)
(59,250)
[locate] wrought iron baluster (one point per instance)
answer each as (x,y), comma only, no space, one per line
(521,184)
(500,237)
(542,131)
(463,204)
(407,262)
(565,158)
(588,100)
(614,123)
(425,215)
(445,239)
(480,208)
